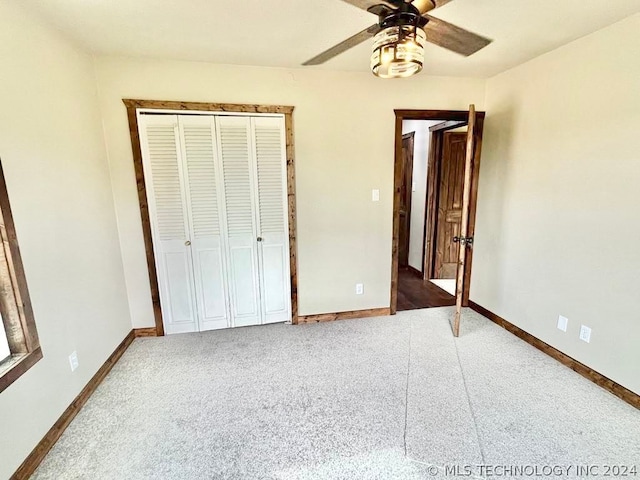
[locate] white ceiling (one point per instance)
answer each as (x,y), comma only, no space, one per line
(285,33)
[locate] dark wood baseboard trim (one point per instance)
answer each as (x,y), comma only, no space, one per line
(29,466)
(618,390)
(330,317)
(145,332)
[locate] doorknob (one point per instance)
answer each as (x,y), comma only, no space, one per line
(259,239)
(187,243)
(463,240)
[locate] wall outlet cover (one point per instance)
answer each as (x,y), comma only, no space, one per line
(585,334)
(563,322)
(359,288)
(375,195)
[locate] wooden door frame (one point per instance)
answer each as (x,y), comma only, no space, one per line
(411,136)
(452,119)
(133,106)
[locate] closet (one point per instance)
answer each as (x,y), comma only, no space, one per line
(217,193)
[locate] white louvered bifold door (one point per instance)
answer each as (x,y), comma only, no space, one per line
(169,220)
(273,249)
(234,142)
(198,140)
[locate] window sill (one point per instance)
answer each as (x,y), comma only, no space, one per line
(13,368)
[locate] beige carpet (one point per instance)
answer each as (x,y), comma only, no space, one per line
(382,398)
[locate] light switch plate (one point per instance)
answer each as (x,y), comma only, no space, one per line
(562,323)
(359,288)
(585,334)
(375,195)
(413,186)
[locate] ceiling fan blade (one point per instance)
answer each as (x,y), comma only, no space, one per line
(456,39)
(440,3)
(350,42)
(367,4)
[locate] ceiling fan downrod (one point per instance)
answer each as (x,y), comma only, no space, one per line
(405,14)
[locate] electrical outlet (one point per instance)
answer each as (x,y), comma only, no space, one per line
(359,288)
(375,195)
(585,333)
(73,361)
(562,323)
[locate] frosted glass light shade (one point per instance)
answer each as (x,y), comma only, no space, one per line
(398,51)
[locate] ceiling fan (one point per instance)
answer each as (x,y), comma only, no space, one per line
(403,28)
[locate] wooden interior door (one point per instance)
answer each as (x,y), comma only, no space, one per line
(449,218)
(469,197)
(405,199)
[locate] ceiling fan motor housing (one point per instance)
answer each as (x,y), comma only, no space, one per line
(405,14)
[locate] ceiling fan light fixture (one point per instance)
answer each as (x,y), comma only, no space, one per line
(398,51)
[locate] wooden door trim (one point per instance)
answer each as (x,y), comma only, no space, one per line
(132,106)
(445,116)
(448,125)
(410,136)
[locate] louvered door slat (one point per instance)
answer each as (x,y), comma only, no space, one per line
(163,158)
(269,154)
(237,181)
(199,147)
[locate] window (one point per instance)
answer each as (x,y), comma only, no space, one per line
(4,346)
(19,345)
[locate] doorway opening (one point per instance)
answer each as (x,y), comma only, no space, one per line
(430,154)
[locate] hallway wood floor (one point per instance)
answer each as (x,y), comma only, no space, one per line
(414,294)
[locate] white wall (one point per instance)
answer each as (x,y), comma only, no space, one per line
(422,141)
(344,135)
(558,222)
(54,159)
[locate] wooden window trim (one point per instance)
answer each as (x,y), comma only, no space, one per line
(17,313)
(132,106)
